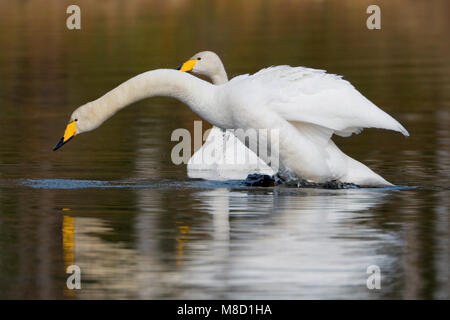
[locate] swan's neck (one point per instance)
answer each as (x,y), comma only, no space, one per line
(220,78)
(199,95)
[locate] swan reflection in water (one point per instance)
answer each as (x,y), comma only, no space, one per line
(237,243)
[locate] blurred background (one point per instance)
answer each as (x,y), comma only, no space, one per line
(113,203)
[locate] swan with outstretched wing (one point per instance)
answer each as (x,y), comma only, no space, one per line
(305,106)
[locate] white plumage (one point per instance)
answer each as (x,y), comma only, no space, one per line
(305,106)
(316,103)
(213,162)
(316,97)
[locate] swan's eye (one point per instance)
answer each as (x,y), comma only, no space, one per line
(75,120)
(199,58)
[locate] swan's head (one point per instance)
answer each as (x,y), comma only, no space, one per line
(81,120)
(206,63)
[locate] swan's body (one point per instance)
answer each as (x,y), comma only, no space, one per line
(215,160)
(307,106)
(316,92)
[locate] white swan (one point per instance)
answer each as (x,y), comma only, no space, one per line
(208,63)
(215,160)
(306,106)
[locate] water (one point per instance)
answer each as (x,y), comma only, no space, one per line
(112,202)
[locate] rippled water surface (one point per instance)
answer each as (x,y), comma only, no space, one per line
(112,202)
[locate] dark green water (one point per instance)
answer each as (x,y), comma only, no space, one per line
(112,202)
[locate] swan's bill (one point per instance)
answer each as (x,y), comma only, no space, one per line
(69,133)
(187,66)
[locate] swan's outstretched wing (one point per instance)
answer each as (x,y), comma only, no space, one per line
(314,96)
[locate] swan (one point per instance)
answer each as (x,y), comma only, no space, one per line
(208,63)
(306,106)
(215,159)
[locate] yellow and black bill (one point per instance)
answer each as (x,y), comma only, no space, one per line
(69,133)
(187,66)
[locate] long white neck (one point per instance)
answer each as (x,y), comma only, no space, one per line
(199,95)
(220,77)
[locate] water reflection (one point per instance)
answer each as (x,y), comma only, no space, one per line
(140,229)
(268,244)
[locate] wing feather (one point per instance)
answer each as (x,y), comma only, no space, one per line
(313,96)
